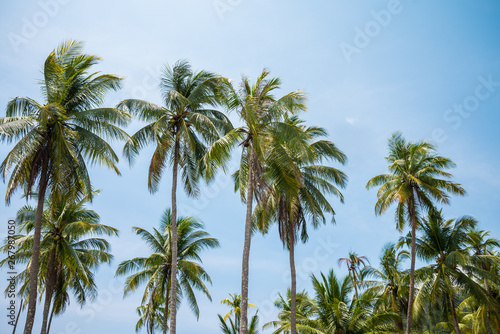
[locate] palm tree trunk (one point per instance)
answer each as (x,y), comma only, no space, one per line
(413,220)
(17,318)
(150,321)
(246,246)
(293,292)
(354,285)
(50,319)
(173,290)
(56,279)
(454,315)
(397,306)
(30,318)
(49,290)
(165,316)
(488,315)
(399,325)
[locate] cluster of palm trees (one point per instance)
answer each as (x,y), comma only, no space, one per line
(284,178)
(71,249)
(457,291)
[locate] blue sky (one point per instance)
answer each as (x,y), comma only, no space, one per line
(428,69)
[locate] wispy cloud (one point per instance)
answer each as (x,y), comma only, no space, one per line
(351,120)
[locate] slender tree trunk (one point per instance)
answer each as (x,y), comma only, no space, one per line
(18,314)
(396,305)
(56,279)
(49,290)
(413,220)
(246,246)
(33,284)
(399,325)
(293,293)
(165,316)
(454,315)
(488,315)
(173,290)
(354,284)
(150,323)
(50,319)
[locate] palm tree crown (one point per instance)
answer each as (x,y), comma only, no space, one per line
(156,269)
(187,120)
(59,135)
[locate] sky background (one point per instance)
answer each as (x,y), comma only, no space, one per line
(428,69)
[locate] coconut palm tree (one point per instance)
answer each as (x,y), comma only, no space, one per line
(234,302)
(305,313)
(482,248)
(334,310)
(70,251)
(417,180)
(297,186)
(444,243)
(55,138)
(156,270)
(253,326)
(389,282)
(180,130)
(260,112)
(354,264)
(151,316)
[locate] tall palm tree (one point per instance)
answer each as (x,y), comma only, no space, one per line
(389,281)
(482,248)
(234,302)
(297,185)
(70,251)
(180,130)
(260,112)
(416,181)
(354,264)
(56,137)
(157,269)
(444,243)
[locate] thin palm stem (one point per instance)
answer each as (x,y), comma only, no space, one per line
(454,314)
(173,291)
(246,246)
(49,289)
(413,221)
(33,272)
(293,293)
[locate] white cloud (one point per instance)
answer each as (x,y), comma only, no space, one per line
(351,120)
